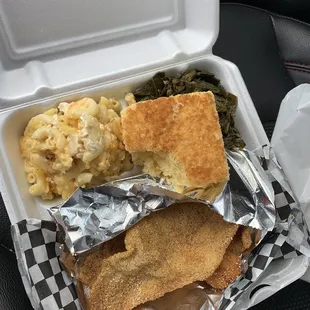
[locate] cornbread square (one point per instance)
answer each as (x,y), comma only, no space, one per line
(178,138)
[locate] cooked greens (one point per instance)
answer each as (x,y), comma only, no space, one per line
(190,81)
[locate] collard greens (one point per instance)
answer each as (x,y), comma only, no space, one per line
(190,81)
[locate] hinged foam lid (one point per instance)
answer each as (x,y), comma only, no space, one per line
(51,46)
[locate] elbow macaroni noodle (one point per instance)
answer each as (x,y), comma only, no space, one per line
(76,145)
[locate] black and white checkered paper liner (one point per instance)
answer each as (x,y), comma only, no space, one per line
(47,285)
(50,287)
(288,240)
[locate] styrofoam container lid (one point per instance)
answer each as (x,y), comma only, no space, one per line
(52,46)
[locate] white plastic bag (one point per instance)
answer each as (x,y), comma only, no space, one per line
(291,143)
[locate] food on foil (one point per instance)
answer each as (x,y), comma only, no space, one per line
(178,138)
(75,145)
(165,251)
(105,250)
(195,80)
(242,240)
(230,267)
(227,272)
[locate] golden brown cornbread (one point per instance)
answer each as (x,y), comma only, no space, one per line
(165,251)
(177,137)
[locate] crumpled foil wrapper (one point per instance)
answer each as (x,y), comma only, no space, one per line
(92,216)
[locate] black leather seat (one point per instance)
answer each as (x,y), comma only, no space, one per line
(272,53)
(12,292)
(298,9)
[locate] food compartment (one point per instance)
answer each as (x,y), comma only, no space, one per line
(15,188)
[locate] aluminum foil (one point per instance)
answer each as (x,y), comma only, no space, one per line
(92,216)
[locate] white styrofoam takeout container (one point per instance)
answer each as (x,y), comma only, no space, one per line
(52,51)
(64,50)
(20,204)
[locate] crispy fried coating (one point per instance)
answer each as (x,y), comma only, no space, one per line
(230,267)
(93,259)
(242,240)
(227,272)
(165,251)
(92,262)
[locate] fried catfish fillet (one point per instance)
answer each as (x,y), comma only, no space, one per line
(242,240)
(165,251)
(92,262)
(230,267)
(227,272)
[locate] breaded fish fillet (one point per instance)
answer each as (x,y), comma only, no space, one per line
(104,251)
(227,272)
(178,138)
(242,240)
(165,251)
(230,267)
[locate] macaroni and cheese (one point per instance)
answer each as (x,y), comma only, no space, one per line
(74,145)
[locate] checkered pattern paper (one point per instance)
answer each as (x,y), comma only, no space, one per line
(289,239)
(47,284)
(49,287)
